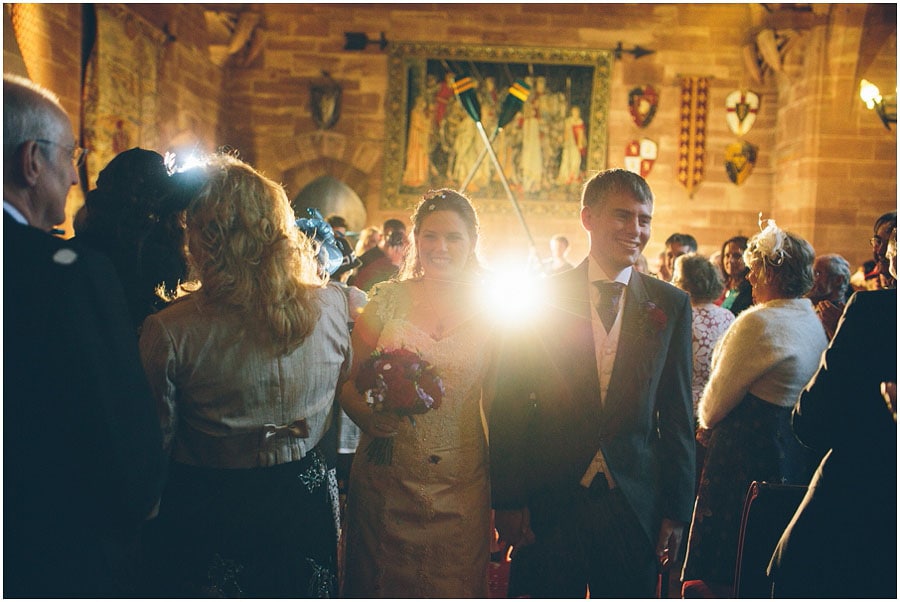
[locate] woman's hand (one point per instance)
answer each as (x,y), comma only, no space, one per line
(703,436)
(381,424)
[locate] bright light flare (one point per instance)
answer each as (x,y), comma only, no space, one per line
(869,93)
(175,164)
(513,295)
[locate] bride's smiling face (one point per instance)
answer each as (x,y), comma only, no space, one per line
(444,245)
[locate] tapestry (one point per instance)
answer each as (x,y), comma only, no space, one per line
(121,87)
(692,140)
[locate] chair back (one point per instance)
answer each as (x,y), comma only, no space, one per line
(768,509)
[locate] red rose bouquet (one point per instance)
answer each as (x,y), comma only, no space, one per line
(398,381)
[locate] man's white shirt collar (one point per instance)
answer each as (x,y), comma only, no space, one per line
(14,213)
(595,273)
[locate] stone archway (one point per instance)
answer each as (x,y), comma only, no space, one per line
(331,196)
(352,169)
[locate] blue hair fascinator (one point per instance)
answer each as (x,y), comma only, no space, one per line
(330,256)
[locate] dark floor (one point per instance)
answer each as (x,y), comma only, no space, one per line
(498,574)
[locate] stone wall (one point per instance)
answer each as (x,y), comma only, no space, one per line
(837,164)
(795,179)
(50,47)
(191,90)
(826,166)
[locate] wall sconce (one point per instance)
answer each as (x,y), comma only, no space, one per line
(359,41)
(885,106)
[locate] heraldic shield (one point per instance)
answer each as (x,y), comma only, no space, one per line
(325,102)
(642,102)
(640,156)
(741,107)
(740,158)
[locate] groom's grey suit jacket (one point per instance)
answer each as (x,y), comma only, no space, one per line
(547,420)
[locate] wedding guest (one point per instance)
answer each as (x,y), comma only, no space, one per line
(337,260)
(829,291)
(695,275)
(700,279)
(337,223)
(369,238)
(557,262)
(882,230)
(592,434)
(716,260)
(891,253)
(135,216)
(83,465)
(864,278)
(677,245)
(738,294)
(383,261)
(848,519)
(244,371)
(419,526)
(758,369)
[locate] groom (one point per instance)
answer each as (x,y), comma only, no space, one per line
(591,428)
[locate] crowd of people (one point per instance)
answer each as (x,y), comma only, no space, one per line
(243,403)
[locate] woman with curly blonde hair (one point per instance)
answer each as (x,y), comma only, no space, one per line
(244,370)
(757,371)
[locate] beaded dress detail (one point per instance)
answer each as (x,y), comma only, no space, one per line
(420,527)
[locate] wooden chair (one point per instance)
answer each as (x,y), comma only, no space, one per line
(768,509)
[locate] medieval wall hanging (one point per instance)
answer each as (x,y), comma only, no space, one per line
(692,138)
(544,150)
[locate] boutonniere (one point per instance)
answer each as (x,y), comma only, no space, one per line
(655,319)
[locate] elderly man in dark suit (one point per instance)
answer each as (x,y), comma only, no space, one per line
(82,451)
(591,426)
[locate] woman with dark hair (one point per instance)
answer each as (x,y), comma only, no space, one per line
(244,370)
(758,369)
(419,526)
(135,216)
(737,295)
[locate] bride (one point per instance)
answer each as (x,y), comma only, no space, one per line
(419,527)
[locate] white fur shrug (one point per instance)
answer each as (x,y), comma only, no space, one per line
(771,350)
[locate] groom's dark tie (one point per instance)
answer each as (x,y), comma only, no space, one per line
(610,295)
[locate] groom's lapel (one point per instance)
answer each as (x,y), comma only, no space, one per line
(633,353)
(573,338)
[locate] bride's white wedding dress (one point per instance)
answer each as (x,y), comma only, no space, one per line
(420,527)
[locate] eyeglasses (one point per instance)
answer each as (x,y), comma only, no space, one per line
(876,241)
(78,153)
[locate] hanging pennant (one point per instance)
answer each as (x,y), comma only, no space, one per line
(741,107)
(642,103)
(740,159)
(692,139)
(640,156)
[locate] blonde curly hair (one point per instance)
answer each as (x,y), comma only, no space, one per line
(785,259)
(250,257)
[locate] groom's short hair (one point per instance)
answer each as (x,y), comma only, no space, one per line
(611,181)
